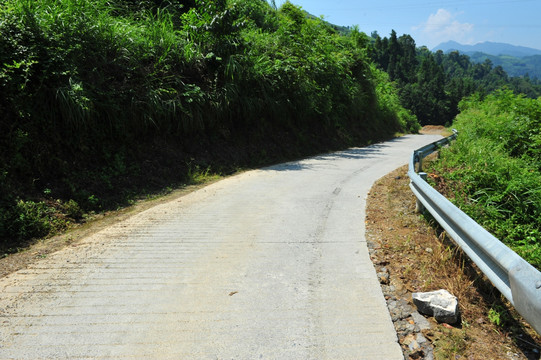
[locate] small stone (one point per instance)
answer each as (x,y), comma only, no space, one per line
(429,250)
(388,292)
(399,309)
(414,346)
(403,328)
(441,304)
(420,321)
(421,339)
(428,353)
(383,276)
(408,339)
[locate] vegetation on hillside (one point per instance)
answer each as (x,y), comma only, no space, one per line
(493,171)
(431,85)
(527,66)
(102,100)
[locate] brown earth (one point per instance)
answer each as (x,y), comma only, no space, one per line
(435,130)
(40,248)
(418,256)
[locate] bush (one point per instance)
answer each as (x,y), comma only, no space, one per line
(89,90)
(494,169)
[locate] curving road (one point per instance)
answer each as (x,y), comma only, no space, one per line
(269,264)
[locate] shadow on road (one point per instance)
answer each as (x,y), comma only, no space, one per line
(349,154)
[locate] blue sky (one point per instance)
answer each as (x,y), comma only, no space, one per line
(433,22)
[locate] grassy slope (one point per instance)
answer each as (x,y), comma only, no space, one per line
(420,257)
(493,171)
(103,101)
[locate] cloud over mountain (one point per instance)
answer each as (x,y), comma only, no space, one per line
(443,26)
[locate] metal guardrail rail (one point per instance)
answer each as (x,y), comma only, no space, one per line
(515,278)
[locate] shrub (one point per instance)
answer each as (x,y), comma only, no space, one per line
(88,88)
(494,169)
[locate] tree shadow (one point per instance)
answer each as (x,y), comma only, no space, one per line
(318,161)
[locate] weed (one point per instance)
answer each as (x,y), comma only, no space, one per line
(198,176)
(498,315)
(450,343)
(32,219)
(73,210)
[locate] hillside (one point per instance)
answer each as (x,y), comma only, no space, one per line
(492,171)
(514,66)
(431,85)
(105,101)
(515,60)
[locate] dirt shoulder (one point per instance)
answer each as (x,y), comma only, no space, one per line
(72,237)
(413,255)
(435,130)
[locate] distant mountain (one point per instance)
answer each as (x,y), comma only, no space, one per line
(489,48)
(513,66)
(515,60)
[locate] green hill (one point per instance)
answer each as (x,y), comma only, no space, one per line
(103,101)
(514,66)
(515,60)
(487,47)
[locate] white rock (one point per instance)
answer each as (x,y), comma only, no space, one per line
(441,304)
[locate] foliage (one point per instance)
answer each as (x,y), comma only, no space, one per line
(494,169)
(92,91)
(527,66)
(431,85)
(498,315)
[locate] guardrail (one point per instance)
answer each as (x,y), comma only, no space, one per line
(515,278)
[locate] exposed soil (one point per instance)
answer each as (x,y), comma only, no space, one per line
(434,130)
(412,254)
(43,247)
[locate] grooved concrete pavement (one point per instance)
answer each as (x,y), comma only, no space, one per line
(269,264)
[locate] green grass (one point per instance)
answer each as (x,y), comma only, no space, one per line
(494,169)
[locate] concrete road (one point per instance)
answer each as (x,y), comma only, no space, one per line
(269,264)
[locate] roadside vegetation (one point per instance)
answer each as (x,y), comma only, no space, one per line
(103,101)
(493,171)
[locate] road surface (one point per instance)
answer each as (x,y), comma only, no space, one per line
(268,264)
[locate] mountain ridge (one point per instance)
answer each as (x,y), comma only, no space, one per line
(490,48)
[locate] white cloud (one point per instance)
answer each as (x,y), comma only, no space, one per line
(443,26)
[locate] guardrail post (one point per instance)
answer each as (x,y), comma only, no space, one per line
(419,208)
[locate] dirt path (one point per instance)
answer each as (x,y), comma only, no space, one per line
(269,264)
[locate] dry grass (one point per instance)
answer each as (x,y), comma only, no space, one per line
(421,257)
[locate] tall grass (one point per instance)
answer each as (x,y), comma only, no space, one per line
(84,83)
(494,169)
